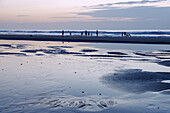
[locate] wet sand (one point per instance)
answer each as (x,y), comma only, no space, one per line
(145,40)
(43,76)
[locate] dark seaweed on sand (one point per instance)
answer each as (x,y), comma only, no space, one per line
(116,56)
(56,47)
(9,53)
(165,63)
(117,53)
(152,53)
(17,46)
(50,51)
(145,54)
(89,50)
(5,45)
(32,51)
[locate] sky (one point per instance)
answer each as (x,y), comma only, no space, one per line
(85,14)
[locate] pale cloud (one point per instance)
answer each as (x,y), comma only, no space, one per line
(111,19)
(23,15)
(87,18)
(141,2)
(96,13)
(67,17)
(140,17)
(124,3)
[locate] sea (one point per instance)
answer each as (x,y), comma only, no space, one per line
(139,33)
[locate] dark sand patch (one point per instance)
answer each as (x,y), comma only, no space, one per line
(166,92)
(56,47)
(116,56)
(33,51)
(101,58)
(145,60)
(5,45)
(59,51)
(89,50)
(9,53)
(117,53)
(20,46)
(145,54)
(165,50)
(16,46)
(137,81)
(51,51)
(163,58)
(39,54)
(165,63)
(153,54)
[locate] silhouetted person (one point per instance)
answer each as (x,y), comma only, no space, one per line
(86,32)
(70,33)
(97,33)
(62,32)
(124,33)
(81,33)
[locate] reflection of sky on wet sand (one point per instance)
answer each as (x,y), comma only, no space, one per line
(138,81)
(60,82)
(134,47)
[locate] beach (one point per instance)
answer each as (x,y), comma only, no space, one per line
(84,56)
(116,39)
(71,77)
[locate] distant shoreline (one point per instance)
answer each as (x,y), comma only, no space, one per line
(145,40)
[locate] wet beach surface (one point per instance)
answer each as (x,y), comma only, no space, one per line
(79,77)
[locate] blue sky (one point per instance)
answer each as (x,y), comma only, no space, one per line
(85,14)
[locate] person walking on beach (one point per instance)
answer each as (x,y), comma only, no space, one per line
(124,33)
(62,32)
(86,32)
(97,33)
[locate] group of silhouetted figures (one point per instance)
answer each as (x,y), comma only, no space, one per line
(124,34)
(82,33)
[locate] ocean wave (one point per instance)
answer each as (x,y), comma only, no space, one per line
(78,32)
